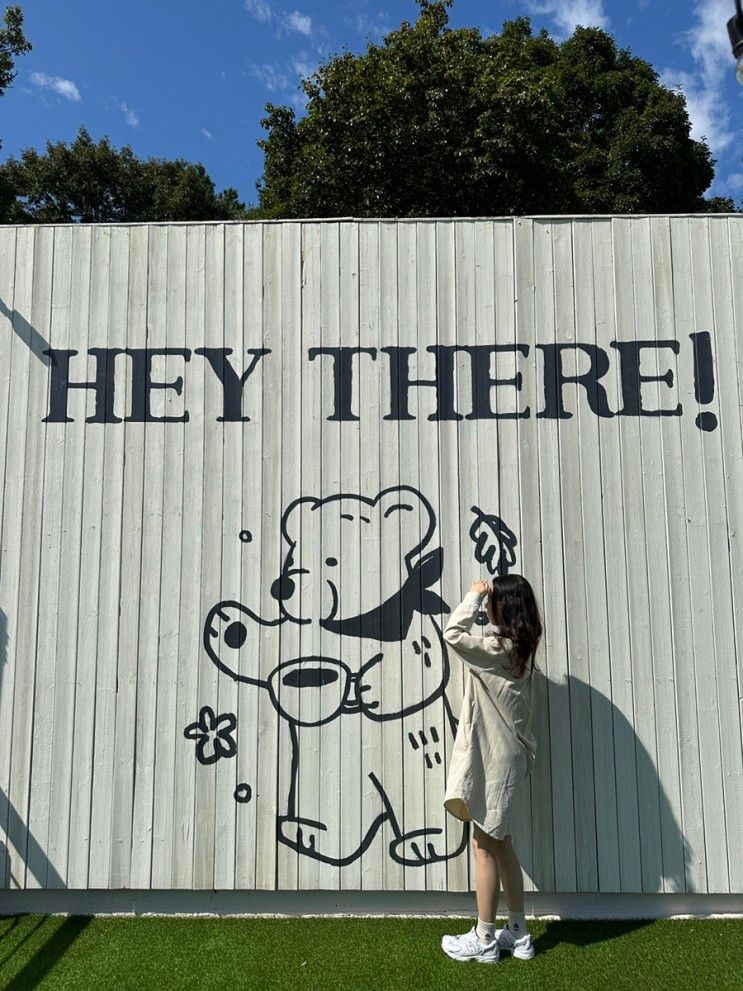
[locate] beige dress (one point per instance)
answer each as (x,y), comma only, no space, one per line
(494,748)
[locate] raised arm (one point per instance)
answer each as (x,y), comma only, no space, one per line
(478,652)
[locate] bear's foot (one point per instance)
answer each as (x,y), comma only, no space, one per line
(311,837)
(419,846)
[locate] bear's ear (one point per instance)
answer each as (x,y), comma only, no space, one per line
(403,507)
(295,511)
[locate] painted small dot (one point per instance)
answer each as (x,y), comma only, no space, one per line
(243,792)
(706,420)
(246,536)
(331,561)
(235,635)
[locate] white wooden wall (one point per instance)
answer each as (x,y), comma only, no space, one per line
(118,539)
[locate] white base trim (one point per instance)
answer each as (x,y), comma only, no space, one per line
(370,904)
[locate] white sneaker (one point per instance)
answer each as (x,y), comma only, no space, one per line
(522,947)
(469,947)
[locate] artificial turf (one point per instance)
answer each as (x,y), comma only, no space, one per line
(84,952)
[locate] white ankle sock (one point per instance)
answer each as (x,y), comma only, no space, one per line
(485,931)
(517,923)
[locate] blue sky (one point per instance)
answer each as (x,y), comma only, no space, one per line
(191,80)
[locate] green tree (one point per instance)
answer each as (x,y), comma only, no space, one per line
(12,44)
(442,122)
(87,182)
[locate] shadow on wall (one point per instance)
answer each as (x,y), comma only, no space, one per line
(27,332)
(13,830)
(610,825)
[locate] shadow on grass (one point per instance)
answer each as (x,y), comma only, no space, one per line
(580,933)
(48,954)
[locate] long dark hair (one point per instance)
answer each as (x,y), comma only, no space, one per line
(516,612)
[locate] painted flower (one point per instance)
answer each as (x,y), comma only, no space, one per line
(214,735)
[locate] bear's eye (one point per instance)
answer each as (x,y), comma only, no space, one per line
(235,635)
(331,561)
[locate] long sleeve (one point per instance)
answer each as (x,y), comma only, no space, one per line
(478,652)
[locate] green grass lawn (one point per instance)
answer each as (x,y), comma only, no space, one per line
(207,954)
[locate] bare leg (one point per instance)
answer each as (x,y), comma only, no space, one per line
(487,875)
(510,872)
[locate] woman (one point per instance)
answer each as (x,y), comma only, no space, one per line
(494,751)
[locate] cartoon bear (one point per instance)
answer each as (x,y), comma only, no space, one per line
(404,667)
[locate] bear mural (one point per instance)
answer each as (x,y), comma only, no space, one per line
(389,619)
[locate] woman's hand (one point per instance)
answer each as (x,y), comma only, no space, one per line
(481,587)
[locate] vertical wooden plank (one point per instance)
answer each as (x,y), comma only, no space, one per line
(429,654)
(647,603)
(735,249)
(115,247)
(724,248)
(556,649)
(307,599)
(719,727)
(211,399)
(372,396)
(288,310)
(92,288)
(16,297)
(457,868)
(467,475)
(46,651)
(539,839)
(684,541)
(253,705)
(348,571)
(575,577)
(73,331)
(186,792)
(394,872)
(334,796)
(131,572)
(34,306)
(604,676)
(270,725)
(8,239)
(227,691)
(153,437)
(635,646)
(671,510)
(413,795)
(169,740)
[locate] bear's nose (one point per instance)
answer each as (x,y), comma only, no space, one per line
(283,588)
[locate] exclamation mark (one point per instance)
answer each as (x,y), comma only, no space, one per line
(704,378)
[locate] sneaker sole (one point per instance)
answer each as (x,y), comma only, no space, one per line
(453,956)
(518,953)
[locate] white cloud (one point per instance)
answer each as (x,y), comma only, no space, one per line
(260,10)
(129,116)
(65,87)
(568,15)
(734,182)
(302,67)
(709,46)
(270,76)
(377,27)
(207,134)
(263,12)
(299,22)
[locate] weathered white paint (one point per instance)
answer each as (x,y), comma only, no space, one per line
(117,539)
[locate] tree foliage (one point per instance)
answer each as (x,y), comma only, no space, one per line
(87,182)
(443,122)
(12,44)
